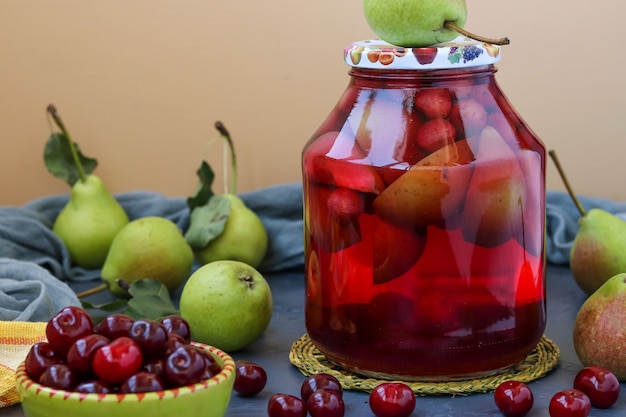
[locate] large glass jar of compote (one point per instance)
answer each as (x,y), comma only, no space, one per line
(424,196)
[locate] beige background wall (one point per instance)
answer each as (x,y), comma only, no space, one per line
(140,83)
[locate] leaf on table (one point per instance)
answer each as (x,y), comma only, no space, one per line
(59,161)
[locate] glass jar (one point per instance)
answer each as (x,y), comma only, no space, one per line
(424,208)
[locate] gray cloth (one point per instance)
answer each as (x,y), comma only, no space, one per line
(29,292)
(26,239)
(31,252)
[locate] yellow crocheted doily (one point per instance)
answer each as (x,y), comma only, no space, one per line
(543,358)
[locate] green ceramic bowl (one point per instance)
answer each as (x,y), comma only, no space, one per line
(208,398)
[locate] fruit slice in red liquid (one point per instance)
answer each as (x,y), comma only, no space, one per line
(431,191)
(496,193)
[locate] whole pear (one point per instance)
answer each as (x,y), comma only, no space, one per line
(228,304)
(148,247)
(599,333)
(243,239)
(414,23)
(89,222)
(598,249)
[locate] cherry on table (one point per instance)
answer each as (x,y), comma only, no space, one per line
(286,405)
(325,403)
(392,399)
(569,403)
(601,386)
(318,381)
(250,378)
(513,398)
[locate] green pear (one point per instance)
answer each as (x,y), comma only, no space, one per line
(228,304)
(599,333)
(598,249)
(89,222)
(148,247)
(243,239)
(414,23)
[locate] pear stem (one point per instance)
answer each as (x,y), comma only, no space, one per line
(52,111)
(233,159)
(559,168)
(91,291)
(453,26)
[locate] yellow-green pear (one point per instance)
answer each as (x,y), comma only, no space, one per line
(598,249)
(148,247)
(599,333)
(89,222)
(243,239)
(597,252)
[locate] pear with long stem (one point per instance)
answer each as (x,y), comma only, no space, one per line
(221,226)
(92,217)
(597,252)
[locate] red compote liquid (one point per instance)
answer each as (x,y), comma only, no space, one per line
(424,197)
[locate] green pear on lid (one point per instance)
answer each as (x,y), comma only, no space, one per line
(419,23)
(92,217)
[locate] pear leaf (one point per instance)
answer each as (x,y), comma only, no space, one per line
(105,308)
(204,192)
(60,162)
(149,299)
(207,222)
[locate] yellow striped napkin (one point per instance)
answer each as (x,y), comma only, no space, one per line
(16,338)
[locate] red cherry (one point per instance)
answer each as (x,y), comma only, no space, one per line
(39,358)
(392,399)
(513,398)
(434,102)
(81,352)
(319,381)
(115,325)
(178,325)
(601,386)
(286,405)
(142,382)
(569,403)
(250,378)
(59,376)
(66,326)
(325,403)
(184,366)
(94,387)
(117,361)
(151,336)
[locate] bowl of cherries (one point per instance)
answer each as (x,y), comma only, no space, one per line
(123,367)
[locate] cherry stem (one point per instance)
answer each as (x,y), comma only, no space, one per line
(453,26)
(91,291)
(559,168)
(52,111)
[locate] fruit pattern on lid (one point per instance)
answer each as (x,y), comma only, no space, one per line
(461,52)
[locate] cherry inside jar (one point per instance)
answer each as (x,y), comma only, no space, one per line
(424,198)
